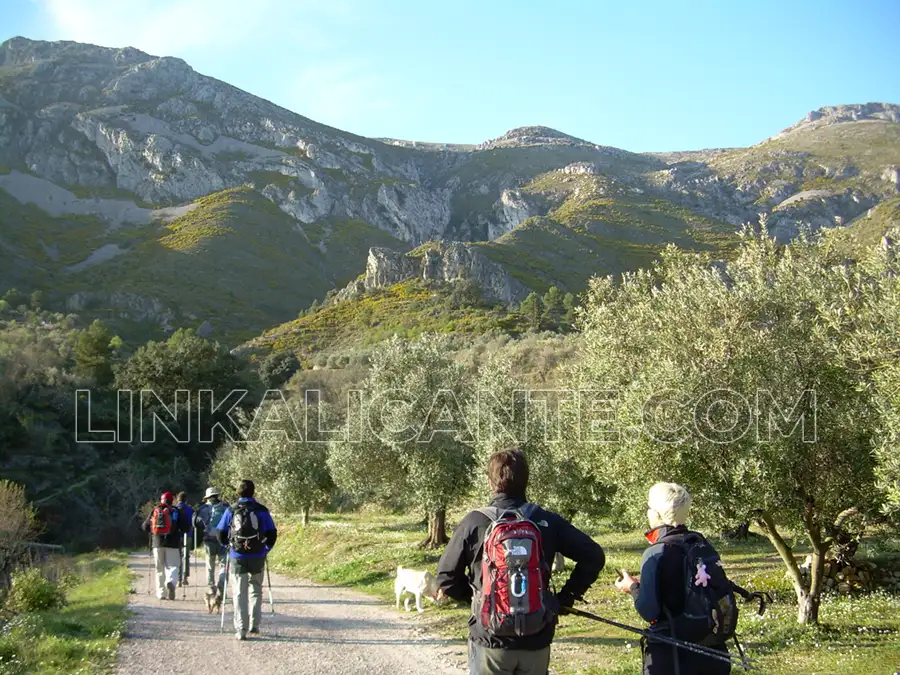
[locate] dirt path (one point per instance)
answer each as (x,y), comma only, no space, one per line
(315,629)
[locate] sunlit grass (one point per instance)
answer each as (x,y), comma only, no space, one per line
(856,635)
(80,638)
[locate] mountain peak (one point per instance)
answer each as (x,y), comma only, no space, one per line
(21,51)
(532,135)
(854,112)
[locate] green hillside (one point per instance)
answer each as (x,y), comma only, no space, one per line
(407,309)
(236,261)
(833,157)
(596,226)
(867,230)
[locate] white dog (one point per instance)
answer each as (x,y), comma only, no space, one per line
(420,584)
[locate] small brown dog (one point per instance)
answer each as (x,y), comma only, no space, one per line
(213,601)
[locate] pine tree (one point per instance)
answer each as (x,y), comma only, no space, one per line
(532,308)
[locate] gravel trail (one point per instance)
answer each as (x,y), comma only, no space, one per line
(315,629)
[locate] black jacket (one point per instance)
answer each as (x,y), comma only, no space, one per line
(459,571)
(661,589)
(175,538)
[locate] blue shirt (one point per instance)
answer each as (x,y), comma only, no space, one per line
(188,514)
(266,524)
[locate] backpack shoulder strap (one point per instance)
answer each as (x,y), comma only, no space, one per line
(527,510)
(492,512)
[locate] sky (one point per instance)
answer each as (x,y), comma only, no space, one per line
(640,75)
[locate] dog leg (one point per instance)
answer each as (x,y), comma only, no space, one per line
(419,607)
(398,600)
(406,604)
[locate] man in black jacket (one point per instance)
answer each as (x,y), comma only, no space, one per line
(459,571)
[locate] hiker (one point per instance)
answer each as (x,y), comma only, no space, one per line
(206,520)
(166,526)
(188,514)
(249,532)
(505,638)
(660,594)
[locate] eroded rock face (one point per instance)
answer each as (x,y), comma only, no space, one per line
(514,209)
(442,262)
(126,305)
(154,129)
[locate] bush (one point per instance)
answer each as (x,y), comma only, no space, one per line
(32,592)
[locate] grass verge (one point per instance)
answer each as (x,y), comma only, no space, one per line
(80,638)
(857,635)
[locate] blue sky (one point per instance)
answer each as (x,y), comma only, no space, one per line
(638,75)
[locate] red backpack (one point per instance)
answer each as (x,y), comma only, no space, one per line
(515,577)
(161,520)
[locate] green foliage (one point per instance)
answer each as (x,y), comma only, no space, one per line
(31,591)
(408,309)
(713,372)
(93,354)
(277,368)
(284,452)
(888,392)
(569,305)
(533,309)
(79,637)
(553,306)
(508,413)
(184,361)
(464,293)
(411,450)
(19,528)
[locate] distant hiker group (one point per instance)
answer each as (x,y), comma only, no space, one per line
(236,540)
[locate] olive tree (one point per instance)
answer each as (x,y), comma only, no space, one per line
(733,381)
(409,438)
(507,412)
(19,528)
(282,449)
(874,350)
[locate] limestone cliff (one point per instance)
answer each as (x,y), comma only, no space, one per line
(443,262)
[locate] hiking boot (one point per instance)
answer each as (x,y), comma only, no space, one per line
(240,635)
(171,588)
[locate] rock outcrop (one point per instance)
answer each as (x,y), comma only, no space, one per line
(446,262)
(836,114)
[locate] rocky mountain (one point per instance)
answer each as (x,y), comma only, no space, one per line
(134,188)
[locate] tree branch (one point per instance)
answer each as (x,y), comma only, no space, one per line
(767,523)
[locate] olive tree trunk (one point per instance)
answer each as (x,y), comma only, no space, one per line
(304,515)
(809,592)
(437,529)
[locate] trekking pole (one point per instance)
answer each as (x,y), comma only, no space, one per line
(740,660)
(195,556)
(151,567)
(225,592)
(184,564)
(269,580)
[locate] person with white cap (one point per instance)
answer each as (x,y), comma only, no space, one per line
(206,520)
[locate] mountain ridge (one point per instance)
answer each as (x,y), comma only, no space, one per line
(132,143)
